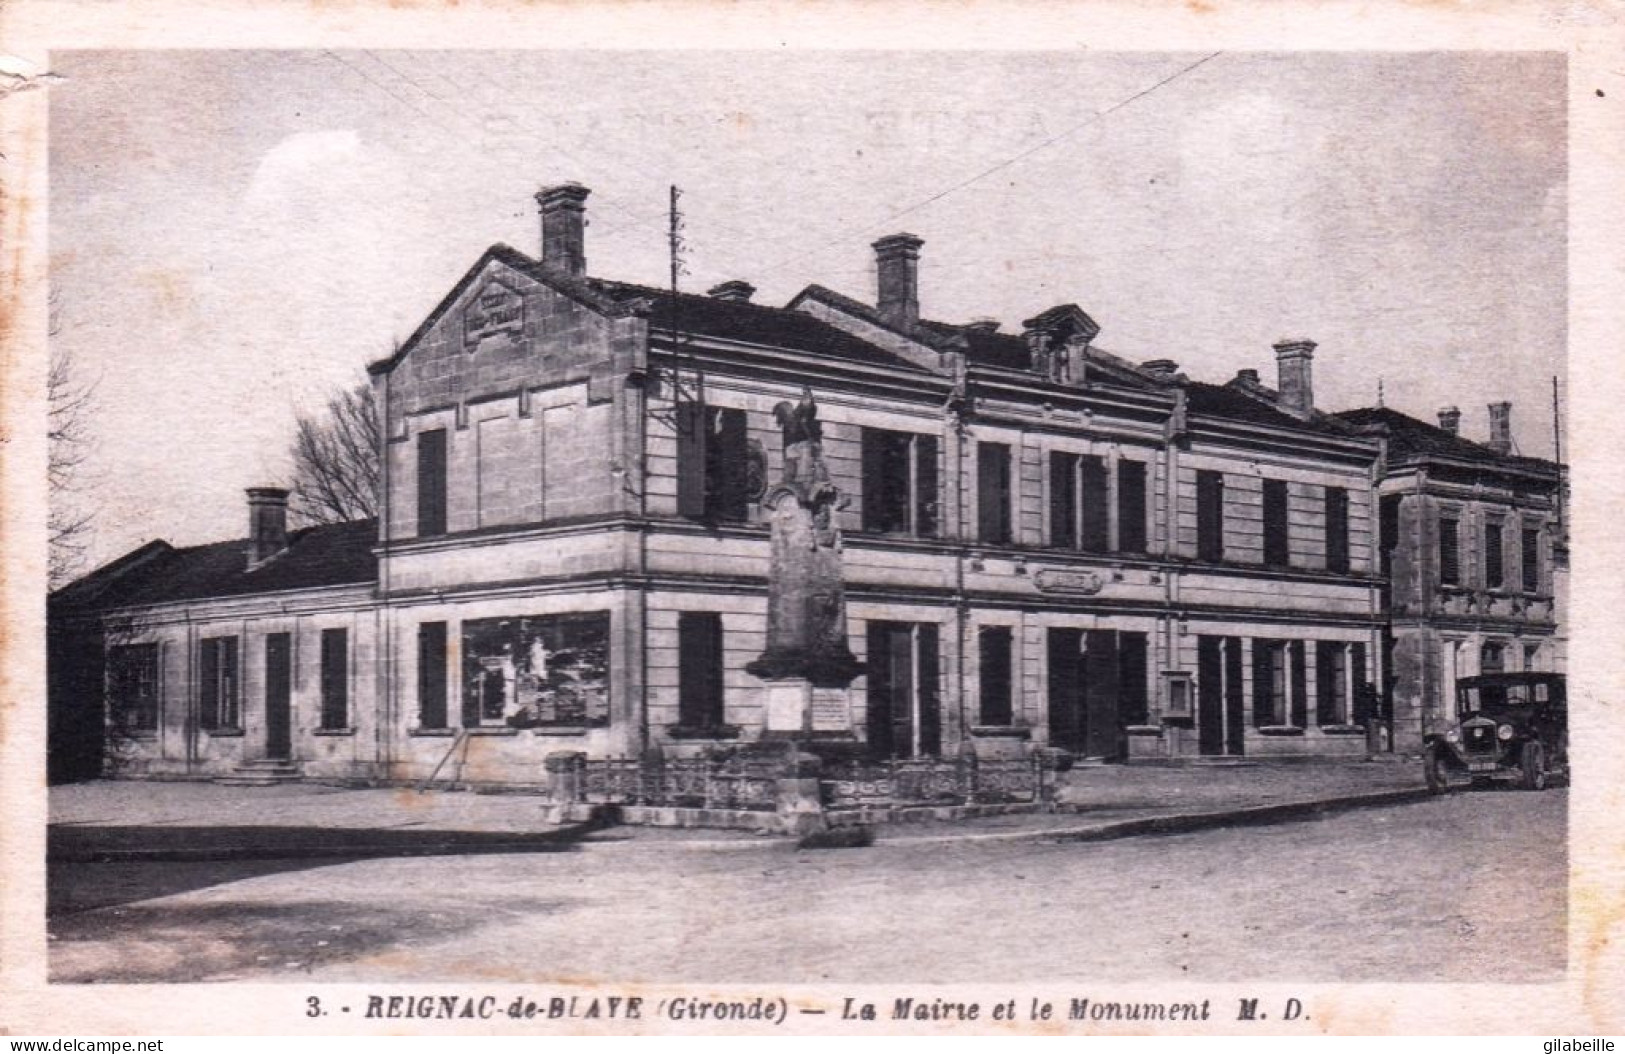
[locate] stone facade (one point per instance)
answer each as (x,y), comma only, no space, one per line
(1040,545)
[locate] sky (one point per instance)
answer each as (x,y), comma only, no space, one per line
(235,234)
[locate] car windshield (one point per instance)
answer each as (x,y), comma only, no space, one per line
(1500,696)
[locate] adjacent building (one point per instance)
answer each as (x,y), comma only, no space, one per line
(1042,544)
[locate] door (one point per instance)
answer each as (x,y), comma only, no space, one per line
(278,697)
(1210,695)
(1101,728)
(1066,689)
(904,715)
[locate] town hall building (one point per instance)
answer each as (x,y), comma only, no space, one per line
(1027,542)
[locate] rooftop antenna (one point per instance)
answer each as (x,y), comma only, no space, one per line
(1379,392)
(682,393)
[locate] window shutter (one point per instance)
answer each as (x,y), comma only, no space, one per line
(995,675)
(1063,499)
(699,673)
(691,460)
(209,685)
(930,709)
(1494,556)
(1449,553)
(878,687)
(1131,506)
(1363,696)
(925,486)
(1277,551)
(335,678)
(1235,699)
(993,497)
(432,675)
(1300,684)
(1132,679)
(1326,686)
(1209,515)
(1263,680)
(1337,530)
(431,483)
(873,479)
(1531,560)
(1388,531)
(727,461)
(1092,505)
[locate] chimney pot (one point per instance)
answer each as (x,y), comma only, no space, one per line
(267,523)
(564,246)
(983,325)
(1450,419)
(897,259)
(1500,428)
(1163,367)
(1248,376)
(732,290)
(1294,360)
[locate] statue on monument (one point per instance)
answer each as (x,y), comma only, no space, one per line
(806,632)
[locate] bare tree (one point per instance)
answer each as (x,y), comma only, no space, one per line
(71,517)
(335,460)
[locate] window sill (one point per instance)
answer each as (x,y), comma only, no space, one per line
(703,732)
(490,730)
(1342,730)
(1001,731)
(563,731)
(332,731)
(1280,730)
(1143,730)
(431,733)
(223,733)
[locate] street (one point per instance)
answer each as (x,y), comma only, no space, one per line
(1471,887)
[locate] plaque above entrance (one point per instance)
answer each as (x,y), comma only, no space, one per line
(495,310)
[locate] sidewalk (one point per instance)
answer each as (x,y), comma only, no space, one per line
(139,820)
(1097,802)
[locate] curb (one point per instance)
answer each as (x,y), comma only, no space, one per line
(547,842)
(1185,823)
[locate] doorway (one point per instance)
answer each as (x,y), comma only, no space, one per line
(1221,708)
(278,697)
(1097,686)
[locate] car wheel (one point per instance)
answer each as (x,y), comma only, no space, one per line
(1533,763)
(1433,770)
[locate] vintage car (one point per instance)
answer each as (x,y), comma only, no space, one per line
(1506,726)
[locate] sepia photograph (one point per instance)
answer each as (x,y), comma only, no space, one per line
(858,522)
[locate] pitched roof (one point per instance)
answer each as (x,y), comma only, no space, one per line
(752,323)
(1412,439)
(1221,400)
(329,555)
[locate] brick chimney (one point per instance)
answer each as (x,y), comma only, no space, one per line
(267,523)
(1500,428)
(1295,362)
(732,290)
(1450,419)
(897,258)
(564,246)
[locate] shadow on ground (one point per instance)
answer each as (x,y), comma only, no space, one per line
(179,943)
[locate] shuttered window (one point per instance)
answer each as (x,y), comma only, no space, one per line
(1210,515)
(1331,683)
(994,644)
(1063,499)
(699,670)
(1388,531)
(335,678)
(1093,512)
(1277,551)
(431,483)
(132,687)
(1337,530)
(1131,506)
(1449,551)
(1494,556)
(899,482)
(1531,560)
(993,492)
(712,463)
(218,684)
(432,675)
